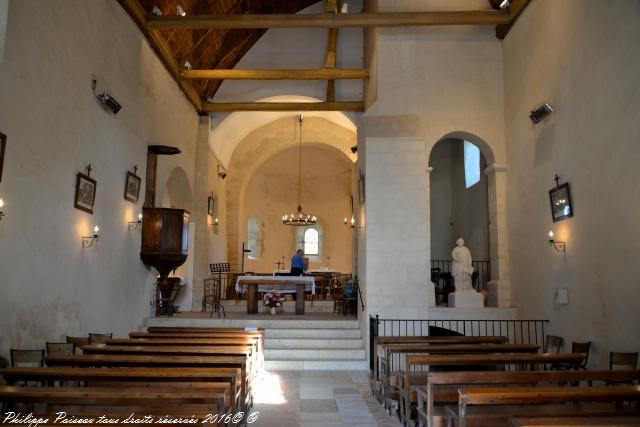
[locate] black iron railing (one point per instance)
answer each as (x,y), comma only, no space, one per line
(483,268)
(517,331)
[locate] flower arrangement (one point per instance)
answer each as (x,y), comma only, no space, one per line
(272,300)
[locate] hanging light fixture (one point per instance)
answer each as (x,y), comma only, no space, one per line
(299,217)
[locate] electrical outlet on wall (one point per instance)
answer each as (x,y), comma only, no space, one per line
(562,296)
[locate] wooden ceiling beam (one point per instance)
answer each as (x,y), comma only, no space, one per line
(515,9)
(315,74)
(159,44)
(330,20)
(219,107)
(332,49)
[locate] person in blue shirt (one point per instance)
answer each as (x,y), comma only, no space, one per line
(298,263)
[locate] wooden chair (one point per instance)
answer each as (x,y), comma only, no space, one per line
(99,338)
(78,342)
(27,358)
(553,344)
(623,361)
(60,348)
(582,347)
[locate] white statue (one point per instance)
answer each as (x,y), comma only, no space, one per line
(461,268)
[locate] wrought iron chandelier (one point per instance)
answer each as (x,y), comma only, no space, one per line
(299,217)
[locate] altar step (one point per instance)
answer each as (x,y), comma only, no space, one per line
(295,342)
(289,307)
(315,349)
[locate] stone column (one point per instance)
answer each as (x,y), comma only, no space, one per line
(499,287)
(396,218)
(431,292)
(200,216)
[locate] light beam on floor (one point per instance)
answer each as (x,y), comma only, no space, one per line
(269,389)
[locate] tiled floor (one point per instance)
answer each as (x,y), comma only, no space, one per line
(318,399)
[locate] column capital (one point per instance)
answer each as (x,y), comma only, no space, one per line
(496,167)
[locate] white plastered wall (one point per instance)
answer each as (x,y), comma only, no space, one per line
(49,285)
(583,57)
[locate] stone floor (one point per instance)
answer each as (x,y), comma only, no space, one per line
(318,399)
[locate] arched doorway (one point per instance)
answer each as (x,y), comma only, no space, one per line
(459,208)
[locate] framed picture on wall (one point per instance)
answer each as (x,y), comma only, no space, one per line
(3,145)
(85,193)
(132,187)
(211,205)
(560,199)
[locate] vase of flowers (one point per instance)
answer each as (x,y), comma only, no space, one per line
(273,301)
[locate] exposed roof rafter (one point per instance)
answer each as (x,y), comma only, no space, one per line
(313,74)
(330,20)
(211,107)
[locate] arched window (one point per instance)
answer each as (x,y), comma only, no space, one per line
(254,238)
(471,164)
(311,241)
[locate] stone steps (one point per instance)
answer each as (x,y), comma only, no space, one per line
(316,365)
(312,333)
(294,343)
(314,343)
(314,354)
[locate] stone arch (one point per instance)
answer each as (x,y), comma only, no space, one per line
(484,147)
(179,192)
(237,127)
(499,287)
(262,144)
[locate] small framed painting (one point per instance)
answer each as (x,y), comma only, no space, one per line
(211,205)
(85,193)
(3,144)
(560,199)
(132,187)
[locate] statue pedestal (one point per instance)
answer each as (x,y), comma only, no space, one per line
(466,299)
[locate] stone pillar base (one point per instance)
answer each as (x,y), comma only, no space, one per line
(466,299)
(431,294)
(499,294)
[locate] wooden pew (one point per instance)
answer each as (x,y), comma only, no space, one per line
(201,329)
(492,396)
(156,361)
(382,341)
(240,350)
(592,421)
(184,341)
(411,378)
(442,387)
(126,376)
(405,398)
(119,401)
(178,334)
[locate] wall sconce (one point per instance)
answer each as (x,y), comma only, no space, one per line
(351,222)
(558,246)
(1,205)
(88,241)
(135,225)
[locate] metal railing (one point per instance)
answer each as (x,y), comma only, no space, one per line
(482,267)
(517,331)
